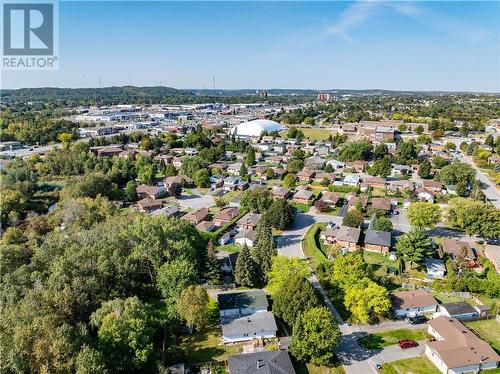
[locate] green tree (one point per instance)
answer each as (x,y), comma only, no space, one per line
(353,218)
(424,169)
(173,277)
(90,361)
(414,246)
(88,185)
(381,151)
(294,297)
(281,214)
(295,166)
(124,332)
(269,173)
(474,217)
(381,167)
(489,141)
(283,269)
(193,307)
(264,246)
(457,172)
(246,271)
(366,300)
(289,180)
(243,171)
(256,200)
(250,157)
(406,152)
(419,129)
(213,272)
(382,224)
(348,269)
(424,215)
(146,174)
(354,151)
(202,178)
(315,335)
(130,192)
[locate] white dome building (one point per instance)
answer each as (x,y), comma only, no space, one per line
(254,128)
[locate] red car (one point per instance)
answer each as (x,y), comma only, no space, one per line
(404,344)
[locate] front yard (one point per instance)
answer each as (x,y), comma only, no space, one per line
(417,365)
(383,339)
(311,245)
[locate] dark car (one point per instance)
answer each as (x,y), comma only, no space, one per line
(406,343)
(417,320)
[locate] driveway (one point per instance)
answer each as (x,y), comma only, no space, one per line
(196,201)
(289,243)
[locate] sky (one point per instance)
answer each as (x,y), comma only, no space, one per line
(410,45)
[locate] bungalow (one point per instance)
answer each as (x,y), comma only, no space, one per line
(492,253)
(280,192)
(216,181)
(435,268)
(314,162)
(197,216)
(433,186)
(359,166)
(382,203)
(224,216)
(248,221)
(303,197)
(425,195)
(279,173)
(375,182)
(129,153)
(235,183)
(401,169)
(351,180)
(331,198)
(459,310)
(206,226)
(151,192)
(346,237)
(305,175)
(255,326)
(336,164)
(377,241)
(411,303)
(456,349)
(148,205)
(183,180)
(265,362)
(109,151)
(457,248)
(353,200)
(234,168)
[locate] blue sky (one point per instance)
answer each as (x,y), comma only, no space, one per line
(419,45)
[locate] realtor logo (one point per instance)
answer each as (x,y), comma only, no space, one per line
(29,35)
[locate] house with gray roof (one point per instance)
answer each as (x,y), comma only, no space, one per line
(268,362)
(377,241)
(242,303)
(261,325)
(435,268)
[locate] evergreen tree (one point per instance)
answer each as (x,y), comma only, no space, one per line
(213,271)
(250,157)
(130,193)
(414,246)
(243,171)
(424,169)
(246,273)
(264,246)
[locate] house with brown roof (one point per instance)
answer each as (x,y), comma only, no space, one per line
(374,182)
(306,175)
(456,349)
(148,205)
(280,192)
(331,198)
(344,236)
(152,192)
(303,197)
(381,203)
(197,216)
(413,302)
(224,216)
(377,241)
(433,186)
(206,226)
(425,195)
(109,151)
(183,180)
(352,200)
(248,221)
(456,248)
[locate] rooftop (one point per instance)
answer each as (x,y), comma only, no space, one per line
(242,299)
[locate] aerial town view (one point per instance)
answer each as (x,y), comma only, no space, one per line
(250,187)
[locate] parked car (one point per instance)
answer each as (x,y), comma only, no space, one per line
(406,343)
(417,320)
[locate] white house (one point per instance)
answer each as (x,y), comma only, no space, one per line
(456,349)
(412,303)
(255,326)
(459,310)
(245,237)
(435,268)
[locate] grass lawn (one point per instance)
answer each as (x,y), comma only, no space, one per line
(386,338)
(311,245)
(379,262)
(488,329)
(205,346)
(444,299)
(317,134)
(230,196)
(417,365)
(303,207)
(301,368)
(229,248)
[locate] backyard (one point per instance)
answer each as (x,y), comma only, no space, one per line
(488,329)
(383,339)
(417,365)
(206,346)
